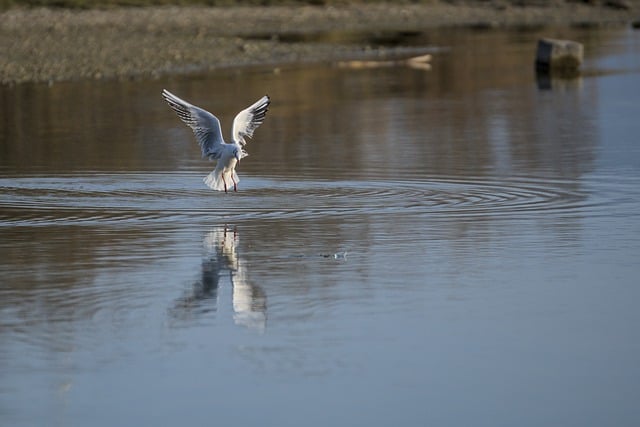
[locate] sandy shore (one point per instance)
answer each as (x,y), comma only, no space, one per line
(54,44)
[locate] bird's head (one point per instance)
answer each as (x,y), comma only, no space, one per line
(239,153)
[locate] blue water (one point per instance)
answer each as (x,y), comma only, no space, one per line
(448,247)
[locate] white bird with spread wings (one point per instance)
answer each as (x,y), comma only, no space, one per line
(206,128)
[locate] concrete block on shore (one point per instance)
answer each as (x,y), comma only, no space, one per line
(554,54)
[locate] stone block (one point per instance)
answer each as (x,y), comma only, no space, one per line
(554,54)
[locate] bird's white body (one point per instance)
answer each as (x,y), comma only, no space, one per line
(224,173)
(206,128)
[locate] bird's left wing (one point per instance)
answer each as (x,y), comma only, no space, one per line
(249,119)
(205,125)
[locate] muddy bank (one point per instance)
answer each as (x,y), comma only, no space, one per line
(52,45)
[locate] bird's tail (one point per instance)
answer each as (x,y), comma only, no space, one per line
(216,182)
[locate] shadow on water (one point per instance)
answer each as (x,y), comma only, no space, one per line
(379,38)
(223,266)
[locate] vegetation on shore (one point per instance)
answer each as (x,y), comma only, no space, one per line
(102,4)
(91,4)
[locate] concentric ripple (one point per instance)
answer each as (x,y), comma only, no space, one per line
(154,197)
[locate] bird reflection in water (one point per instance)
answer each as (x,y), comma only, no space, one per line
(222,261)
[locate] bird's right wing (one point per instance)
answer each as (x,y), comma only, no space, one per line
(249,119)
(205,125)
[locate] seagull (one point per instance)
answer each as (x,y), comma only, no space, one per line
(206,128)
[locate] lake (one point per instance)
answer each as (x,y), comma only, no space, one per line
(455,246)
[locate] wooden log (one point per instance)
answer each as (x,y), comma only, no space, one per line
(419,62)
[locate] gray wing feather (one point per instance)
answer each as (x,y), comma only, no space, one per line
(248,120)
(205,125)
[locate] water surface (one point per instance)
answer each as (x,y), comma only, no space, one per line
(456,246)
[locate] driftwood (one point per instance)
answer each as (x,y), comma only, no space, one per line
(419,62)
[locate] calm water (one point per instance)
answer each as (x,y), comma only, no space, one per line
(451,247)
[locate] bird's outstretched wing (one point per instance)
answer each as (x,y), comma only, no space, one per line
(205,125)
(249,119)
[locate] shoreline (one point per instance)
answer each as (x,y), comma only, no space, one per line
(49,45)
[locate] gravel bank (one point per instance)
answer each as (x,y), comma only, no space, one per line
(54,44)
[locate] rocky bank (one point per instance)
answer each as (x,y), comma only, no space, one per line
(45,45)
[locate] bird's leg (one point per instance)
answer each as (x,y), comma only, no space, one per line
(235,184)
(225,183)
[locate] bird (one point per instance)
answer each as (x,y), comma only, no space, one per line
(208,133)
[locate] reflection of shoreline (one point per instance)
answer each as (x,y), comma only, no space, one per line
(249,301)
